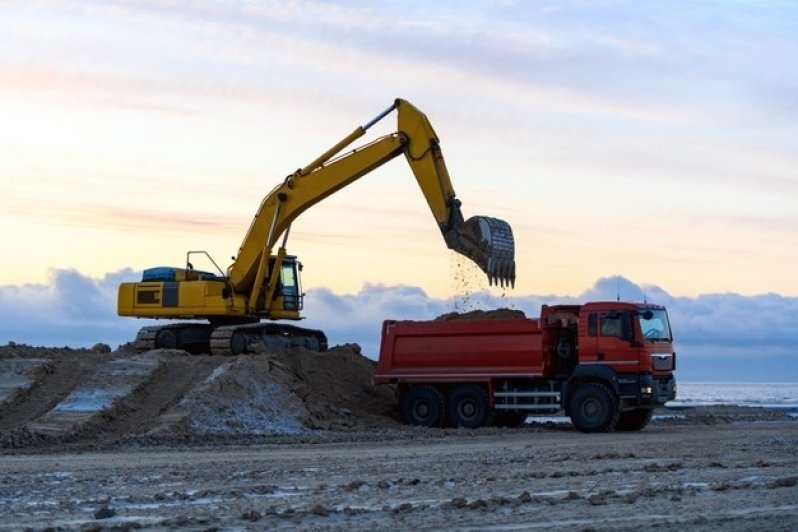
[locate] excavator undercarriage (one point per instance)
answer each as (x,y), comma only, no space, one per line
(201,338)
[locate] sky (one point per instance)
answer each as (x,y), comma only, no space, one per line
(651,142)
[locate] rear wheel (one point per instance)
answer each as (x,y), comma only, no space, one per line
(423,406)
(468,406)
(593,408)
(636,419)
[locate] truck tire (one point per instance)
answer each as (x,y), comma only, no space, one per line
(423,406)
(636,419)
(593,408)
(468,406)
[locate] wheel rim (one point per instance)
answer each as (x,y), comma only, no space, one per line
(467,409)
(592,409)
(422,410)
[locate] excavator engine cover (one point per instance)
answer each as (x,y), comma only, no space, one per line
(489,242)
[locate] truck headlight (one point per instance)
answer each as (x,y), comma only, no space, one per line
(646,390)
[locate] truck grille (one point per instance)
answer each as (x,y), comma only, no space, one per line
(662,361)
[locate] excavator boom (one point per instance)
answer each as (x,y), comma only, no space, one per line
(263,280)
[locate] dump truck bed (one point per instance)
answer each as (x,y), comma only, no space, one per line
(451,350)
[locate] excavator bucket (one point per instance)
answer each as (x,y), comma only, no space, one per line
(488,242)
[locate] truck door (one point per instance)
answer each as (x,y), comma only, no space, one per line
(615,333)
(607,337)
(588,345)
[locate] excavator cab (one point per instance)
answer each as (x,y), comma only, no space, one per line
(289,289)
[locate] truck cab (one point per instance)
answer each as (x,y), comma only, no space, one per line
(629,346)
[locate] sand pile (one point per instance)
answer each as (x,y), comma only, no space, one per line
(64,395)
(284,393)
(495,314)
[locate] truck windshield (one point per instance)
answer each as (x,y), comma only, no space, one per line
(656,327)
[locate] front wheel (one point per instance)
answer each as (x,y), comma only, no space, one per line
(423,406)
(636,419)
(593,408)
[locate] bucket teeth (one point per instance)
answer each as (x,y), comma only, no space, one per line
(501,272)
(489,242)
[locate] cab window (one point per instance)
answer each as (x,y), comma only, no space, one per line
(289,288)
(617,324)
(592,324)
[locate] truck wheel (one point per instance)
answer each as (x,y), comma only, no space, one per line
(636,419)
(593,408)
(423,406)
(468,406)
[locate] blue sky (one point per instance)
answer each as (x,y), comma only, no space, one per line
(650,140)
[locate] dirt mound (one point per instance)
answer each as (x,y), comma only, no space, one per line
(495,314)
(336,388)
(283,393)
(52,395)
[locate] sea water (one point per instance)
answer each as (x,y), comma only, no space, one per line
(781,395)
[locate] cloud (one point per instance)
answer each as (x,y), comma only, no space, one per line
(358,317)
(720,337)
(578,56)
(70,309)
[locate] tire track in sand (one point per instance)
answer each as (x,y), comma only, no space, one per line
(63,374)
(144,408)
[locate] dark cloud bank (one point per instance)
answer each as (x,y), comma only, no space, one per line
(720,337)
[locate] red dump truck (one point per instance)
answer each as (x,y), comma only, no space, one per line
(606,364)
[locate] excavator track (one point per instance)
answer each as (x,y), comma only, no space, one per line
(228,340)
(191,337)
(257,337)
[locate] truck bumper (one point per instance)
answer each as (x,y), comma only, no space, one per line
(646,391)
(656,392)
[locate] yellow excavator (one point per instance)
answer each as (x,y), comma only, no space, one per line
(263,282)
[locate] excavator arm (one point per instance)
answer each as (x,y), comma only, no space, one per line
(486,241)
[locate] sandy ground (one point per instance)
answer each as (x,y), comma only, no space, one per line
(98,440)
(735,476)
